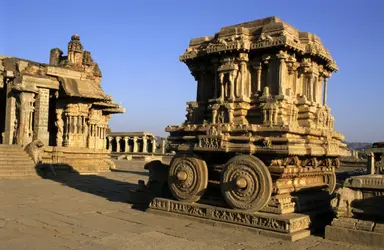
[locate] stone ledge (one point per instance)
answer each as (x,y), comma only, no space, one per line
(290,227)
(283,236)
(354,236)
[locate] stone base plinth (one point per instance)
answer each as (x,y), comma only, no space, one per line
(81,160)
(290,227)
(137,156)
(356,231)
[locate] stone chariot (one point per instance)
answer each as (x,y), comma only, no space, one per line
(260,130)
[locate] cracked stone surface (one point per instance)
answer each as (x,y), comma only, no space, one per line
(94,212)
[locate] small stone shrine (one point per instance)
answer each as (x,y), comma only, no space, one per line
(359,205)
(258,147)
(62,104)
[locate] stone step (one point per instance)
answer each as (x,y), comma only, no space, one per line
(6,148)
(18,174)
(9,146)
(16,171)
(12,153)
(11,150)
(17,162)
(14,157)
(17,166)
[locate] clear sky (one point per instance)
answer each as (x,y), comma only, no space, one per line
(137,45)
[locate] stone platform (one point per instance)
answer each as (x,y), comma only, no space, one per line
(95,212)
(359,207)
(356,231)
(290,227)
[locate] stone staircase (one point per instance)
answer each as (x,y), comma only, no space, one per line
(15,162)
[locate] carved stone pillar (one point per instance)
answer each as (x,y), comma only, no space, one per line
(60,127)
(105,138)
(84,126)
(371,163)
(214,116)
(75,125)
(41,116)
(244,88)
(221,81)
(10,115)
(24,129)
(66,130)
(145,144)
(135,144)
(325,91)
(118,138)
(282,71)
(126,145)
(153,145)
(110,138)
(309,84)
(232,78)
(267,70)
(162,145)
(258,68)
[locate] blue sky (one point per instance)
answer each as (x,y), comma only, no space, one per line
(137,45)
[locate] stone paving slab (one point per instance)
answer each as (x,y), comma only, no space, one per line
(93,212)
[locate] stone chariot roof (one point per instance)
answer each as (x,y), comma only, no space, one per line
(258,35)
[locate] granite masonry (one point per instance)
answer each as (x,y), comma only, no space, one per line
(62,104)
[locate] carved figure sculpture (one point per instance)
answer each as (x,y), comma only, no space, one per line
(35,150)
(342,203)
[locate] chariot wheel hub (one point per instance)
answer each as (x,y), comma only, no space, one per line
(241,182)
(182,176)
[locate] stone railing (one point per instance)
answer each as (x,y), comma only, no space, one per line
(134,144)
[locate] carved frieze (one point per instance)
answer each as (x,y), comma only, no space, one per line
(256,220)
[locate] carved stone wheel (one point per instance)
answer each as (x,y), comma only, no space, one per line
(246,183)
(187,177)
(330,179)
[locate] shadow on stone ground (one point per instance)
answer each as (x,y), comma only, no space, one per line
(121,190)
(129,172)
(110,189)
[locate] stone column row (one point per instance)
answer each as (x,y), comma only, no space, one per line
(97,131)
(75,124)
(135,144)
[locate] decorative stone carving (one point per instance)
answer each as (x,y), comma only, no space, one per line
(264,100)
(60,127)
(35,150)
(343,202)
(359,205)
(73,120)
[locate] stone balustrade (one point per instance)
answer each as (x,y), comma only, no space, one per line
(135,143)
